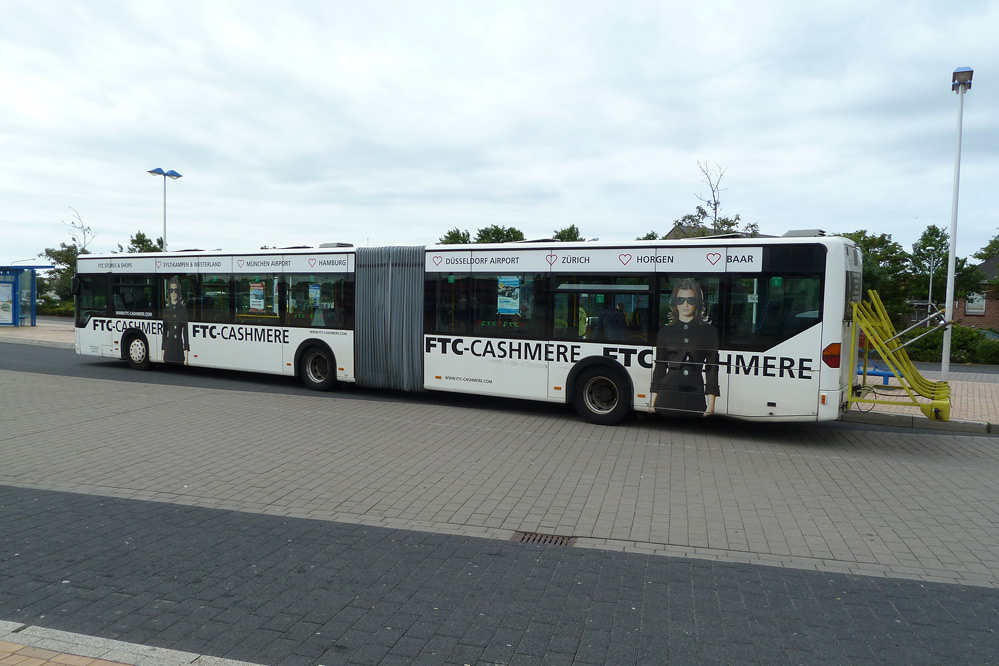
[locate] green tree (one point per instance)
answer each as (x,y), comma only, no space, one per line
(140,242)
(63,258)
(990,250)
(923,257)
(497,234)
(967,278)
(568,235)
(885,269)
(652,235)
(455,237)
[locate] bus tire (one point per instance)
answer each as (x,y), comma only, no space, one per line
(601,395)
(316,369)
(136,352)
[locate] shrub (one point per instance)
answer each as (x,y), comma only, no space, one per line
(987,352)
(964,345)
(54,309)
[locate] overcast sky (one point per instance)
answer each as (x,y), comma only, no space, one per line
(392,122)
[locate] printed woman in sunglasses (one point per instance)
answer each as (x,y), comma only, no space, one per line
(175,344)
(685,377)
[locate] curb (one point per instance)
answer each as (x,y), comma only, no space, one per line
(105,649)
(919,422)
(39,343)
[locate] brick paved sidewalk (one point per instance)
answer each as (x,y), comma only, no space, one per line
(22,645)
(970,401)
(14,654)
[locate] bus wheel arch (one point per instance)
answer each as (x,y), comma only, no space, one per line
(135,349)
(315,364)
(601,391)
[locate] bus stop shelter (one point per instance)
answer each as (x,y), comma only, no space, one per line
(18,295)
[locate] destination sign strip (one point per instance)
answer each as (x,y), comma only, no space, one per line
(633,260)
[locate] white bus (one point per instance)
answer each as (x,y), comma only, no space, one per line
(755,328)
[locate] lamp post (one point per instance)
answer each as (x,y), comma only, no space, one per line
(960,83)
(172,175)
(929,301)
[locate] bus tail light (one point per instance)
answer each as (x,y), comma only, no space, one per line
(831,354)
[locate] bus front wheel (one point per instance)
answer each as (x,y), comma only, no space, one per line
(317,369)
(600,395)
(137,353)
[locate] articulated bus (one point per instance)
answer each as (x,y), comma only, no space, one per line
(750,328)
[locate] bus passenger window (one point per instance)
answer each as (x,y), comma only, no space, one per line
(603,308)
(513,305)
(763,311)
(216,301)
(320,301)
(256,299)
(447,303)
(132,296)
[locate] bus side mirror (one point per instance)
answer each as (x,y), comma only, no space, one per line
(75,285)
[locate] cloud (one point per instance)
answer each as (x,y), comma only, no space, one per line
(322,121)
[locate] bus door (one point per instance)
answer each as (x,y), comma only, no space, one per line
(603,316)
(772,335)
(95,333)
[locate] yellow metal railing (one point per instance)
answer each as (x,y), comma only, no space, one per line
(931,397)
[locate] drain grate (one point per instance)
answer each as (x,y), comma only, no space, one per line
(543,539)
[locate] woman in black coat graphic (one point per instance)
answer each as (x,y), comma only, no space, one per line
(685,377)
(175,344)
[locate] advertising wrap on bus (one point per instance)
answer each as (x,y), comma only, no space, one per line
(751,328)
(776,383)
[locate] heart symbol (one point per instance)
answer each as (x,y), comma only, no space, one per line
(551,259)
(312,261)
(239,262)
(438,259)
(713,257)
(624,258)
(158,263)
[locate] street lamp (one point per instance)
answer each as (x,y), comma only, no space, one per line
(929,301)
(172,175)
(960,83)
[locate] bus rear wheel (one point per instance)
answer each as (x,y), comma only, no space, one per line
(316,369)
(137,352)
(600,395)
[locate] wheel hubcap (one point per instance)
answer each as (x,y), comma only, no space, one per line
(600,395)
(317,368)
(137,351)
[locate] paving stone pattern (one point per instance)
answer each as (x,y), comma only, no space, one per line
(904,504)
(279,590)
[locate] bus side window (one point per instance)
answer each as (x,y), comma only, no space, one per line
(511,305)
(447,303)
(320,301)
(132,295)
(764,311)
(216,301)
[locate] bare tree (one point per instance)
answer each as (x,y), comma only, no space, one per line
(81,234)
(713,179)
